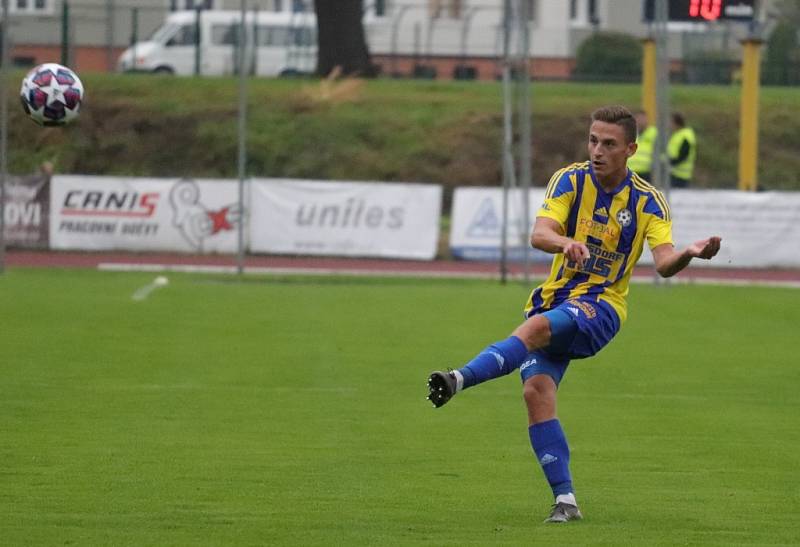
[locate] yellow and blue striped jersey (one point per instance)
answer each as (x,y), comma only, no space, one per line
(613,225)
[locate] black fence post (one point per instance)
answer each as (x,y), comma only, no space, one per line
(197,41)
(65,33)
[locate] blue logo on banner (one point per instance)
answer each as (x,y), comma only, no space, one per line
(485,223)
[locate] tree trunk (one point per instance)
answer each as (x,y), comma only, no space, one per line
(340,35)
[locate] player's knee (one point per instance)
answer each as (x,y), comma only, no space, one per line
(534,333)
(539,390)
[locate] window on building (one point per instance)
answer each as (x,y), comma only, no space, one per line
(532,9)
(380,8)
(190,4)
(592,11)
(202,4)
(573,10)
(445,8)
(30,6)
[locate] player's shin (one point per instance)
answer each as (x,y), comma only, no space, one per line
(499,359)
(550,445)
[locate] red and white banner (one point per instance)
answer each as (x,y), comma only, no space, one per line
(144,214)
(310,217)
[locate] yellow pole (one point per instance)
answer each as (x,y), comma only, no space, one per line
(748,123)
(649,79)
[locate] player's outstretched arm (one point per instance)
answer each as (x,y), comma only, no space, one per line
(670,261)
(548,236)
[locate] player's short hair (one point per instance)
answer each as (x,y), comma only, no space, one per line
(618,115)
(677,119)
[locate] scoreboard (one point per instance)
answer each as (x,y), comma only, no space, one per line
(704,10)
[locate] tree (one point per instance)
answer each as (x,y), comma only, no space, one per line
(341,40)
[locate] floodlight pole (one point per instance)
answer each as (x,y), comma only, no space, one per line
(242,137)
(4,42)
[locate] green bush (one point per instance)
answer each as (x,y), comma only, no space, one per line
(781,66)
(709,67)
(609,56)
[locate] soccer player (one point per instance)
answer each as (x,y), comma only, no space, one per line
(595,219)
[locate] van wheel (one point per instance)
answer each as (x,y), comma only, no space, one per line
(164,70)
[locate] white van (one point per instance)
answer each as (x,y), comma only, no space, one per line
(284,43)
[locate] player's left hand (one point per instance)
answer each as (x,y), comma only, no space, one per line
(705,248)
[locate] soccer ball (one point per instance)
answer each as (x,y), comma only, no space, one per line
(51,94)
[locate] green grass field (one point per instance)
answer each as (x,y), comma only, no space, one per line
(290,411)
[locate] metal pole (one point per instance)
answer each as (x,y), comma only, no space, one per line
(254,56)
(65,33)
(110,32)
(525,134)
(134,36)
(197,41)
(395,29)
(508,139)
(242,135)
(748,119)
(661,167)
(4,43)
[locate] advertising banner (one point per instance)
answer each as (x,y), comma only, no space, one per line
(144,214)
(27,211)
(476,224)
(758,229)
(309,217)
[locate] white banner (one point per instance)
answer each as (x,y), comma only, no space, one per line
(757,229)
(476,224)
(144,214)
(345,218)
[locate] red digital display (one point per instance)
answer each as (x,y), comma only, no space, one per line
(710,10)
(703,10)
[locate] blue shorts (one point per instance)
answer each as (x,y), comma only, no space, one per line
(579,328)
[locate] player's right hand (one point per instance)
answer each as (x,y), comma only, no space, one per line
(577,252)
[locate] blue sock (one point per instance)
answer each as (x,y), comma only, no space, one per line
(550,446)
(499,359)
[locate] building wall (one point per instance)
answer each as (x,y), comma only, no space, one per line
(413,30)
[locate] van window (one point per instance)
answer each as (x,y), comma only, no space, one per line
(162,33)
(225,34)
(272,36)
(186,36)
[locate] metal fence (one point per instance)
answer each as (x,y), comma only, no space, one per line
(407,38)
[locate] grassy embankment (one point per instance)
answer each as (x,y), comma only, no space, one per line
(447,133)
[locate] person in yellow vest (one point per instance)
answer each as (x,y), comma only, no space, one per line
(642,161)
(682,152)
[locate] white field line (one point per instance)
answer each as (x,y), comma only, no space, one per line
(143,292)
(366,272)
